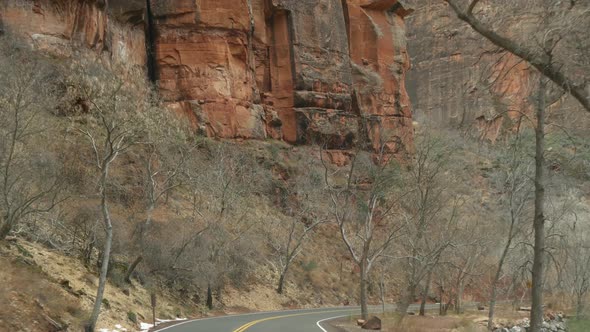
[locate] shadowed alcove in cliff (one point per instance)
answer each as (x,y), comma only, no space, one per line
(281,67)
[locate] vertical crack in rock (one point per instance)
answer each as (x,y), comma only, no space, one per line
(150,43)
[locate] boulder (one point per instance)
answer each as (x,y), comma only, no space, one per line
(374,323)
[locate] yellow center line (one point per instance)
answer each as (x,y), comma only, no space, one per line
(252,323)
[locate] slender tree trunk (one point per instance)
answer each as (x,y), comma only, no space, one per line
(132,268)
(382,291)
(579,306)
(407,299)
(143,227)
(209,296)
(494,290)
(459,297)
(425,291)
(281,285)
(103,275)
(539,221)
(441,303)
(5,229)
(363,290)
(90,327)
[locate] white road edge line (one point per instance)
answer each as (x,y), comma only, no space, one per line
(318,323)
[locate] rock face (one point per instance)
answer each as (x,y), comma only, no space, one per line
(459,79)
(304,71)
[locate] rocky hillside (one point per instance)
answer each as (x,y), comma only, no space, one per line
(298,71)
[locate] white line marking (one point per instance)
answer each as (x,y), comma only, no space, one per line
(329,318)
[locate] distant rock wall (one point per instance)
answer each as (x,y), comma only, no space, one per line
(460,80)
(303,71)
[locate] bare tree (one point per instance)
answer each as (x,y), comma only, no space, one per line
(30,182)
(431,215)
(516,188)
(163,155)
(287,238)
(219,181)
(578,251)
(115,113)
(364,204)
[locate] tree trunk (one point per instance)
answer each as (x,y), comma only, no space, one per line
(363,290)
(539,221)
(132,268)
(382,291)
(281,285)
(492,310)
(106,254)
(407,299)
(102,279)
(209,296)
(459,298)
(423,304)
(579,306)
(5,229)
(442,302)
(425,294)
(494,291)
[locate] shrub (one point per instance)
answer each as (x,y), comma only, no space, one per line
(132,317)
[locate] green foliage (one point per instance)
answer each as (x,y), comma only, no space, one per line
(309,266)
(132,317)
(23,251)
(106,303)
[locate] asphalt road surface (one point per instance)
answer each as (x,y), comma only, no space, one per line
(313,320)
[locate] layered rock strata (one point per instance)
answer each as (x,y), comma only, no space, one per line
(303,71)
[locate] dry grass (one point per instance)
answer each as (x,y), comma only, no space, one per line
(431,324)
(469,322)
(27,290)
(29,301)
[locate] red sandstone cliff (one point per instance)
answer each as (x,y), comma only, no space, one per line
(328,71)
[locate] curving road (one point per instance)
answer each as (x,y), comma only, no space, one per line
(313,320)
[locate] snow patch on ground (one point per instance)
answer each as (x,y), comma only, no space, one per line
(144,327)
(118,328)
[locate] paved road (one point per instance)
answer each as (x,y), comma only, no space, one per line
(313,320)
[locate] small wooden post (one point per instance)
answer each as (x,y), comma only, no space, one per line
(153,298)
